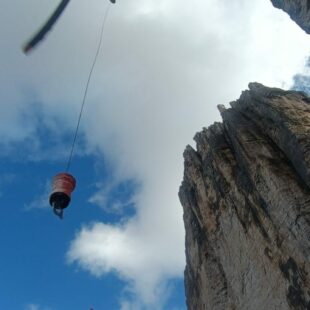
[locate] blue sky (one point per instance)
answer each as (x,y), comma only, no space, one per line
(163,68)
(34,270)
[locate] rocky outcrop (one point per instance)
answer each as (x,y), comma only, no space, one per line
(246,200)
(299,11)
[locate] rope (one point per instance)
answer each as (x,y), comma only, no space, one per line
(87,85)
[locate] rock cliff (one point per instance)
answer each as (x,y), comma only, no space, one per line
(299,11)
(246,201)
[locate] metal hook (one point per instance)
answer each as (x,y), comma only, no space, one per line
(59,212)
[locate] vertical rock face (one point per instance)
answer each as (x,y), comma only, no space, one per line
(246,200)
(299,11)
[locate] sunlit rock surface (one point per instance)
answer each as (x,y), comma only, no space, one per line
(299,11)
(246,201)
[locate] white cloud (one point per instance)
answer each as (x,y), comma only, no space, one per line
(111,202)
(33,306)
(138,255)
(164,67)
(41,200)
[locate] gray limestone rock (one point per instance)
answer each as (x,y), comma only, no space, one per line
(299,11)
(246,201)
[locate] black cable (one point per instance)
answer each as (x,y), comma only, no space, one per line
(87,85)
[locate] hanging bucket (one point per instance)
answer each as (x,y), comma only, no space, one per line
(63,185)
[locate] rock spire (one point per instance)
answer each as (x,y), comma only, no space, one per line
(246,201)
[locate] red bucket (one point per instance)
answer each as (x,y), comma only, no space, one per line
(63,183)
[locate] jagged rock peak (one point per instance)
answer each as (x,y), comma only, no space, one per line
(246,201)
(299,11)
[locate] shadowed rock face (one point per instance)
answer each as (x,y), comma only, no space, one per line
(246,200)
(299,11)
